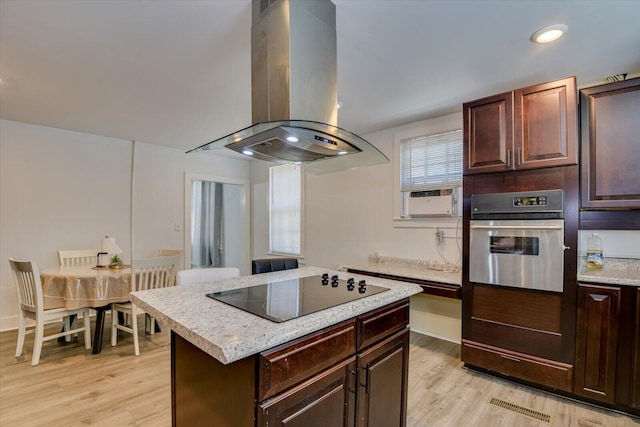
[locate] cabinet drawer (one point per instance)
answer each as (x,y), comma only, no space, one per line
(292,363)
(378,324)
(327,399)
(545,372)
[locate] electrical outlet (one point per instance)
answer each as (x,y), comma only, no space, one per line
(178,227)
(439,236)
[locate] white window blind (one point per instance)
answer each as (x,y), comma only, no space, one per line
(285,186)
(430,162)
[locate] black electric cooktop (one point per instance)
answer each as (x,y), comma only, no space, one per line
(288,299)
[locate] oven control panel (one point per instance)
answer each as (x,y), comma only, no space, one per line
(547,204)
(530,201)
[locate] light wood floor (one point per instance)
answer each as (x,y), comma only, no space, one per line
(72,387)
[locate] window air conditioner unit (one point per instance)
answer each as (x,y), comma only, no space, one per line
(443,202)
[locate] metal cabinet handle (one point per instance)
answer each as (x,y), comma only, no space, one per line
(518,155)
(513,359)
(508,157)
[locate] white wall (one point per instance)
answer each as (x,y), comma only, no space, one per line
(65,190)
(615,243)
(158,191)
(349,214)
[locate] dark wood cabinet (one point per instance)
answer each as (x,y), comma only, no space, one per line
(607,345)
(597,342)
(382,387)
(529,128)
(328,399)
(488,134)
(610,176)
(322,379)
(635,382)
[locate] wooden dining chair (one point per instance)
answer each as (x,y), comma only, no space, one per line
(152,273)
(31,306)
(78,257)
(200,275)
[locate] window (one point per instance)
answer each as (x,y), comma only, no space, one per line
(285,224)
(431,162)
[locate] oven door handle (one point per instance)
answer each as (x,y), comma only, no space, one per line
(516,227)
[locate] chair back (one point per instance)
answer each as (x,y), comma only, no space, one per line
(154,273)
(272,264)
(169,252)
(199,275)
(27,279)
(78,257)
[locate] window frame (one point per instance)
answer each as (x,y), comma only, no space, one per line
(300,255)
(433,126)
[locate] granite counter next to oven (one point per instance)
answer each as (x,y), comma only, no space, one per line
(229,334)
(414,269)
(616,271)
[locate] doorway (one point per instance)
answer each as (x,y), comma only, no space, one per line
(217,223)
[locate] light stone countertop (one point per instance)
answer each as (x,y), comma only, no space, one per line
(415,269)
(616,271)
(229,334)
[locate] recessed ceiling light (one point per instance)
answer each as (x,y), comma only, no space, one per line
(247,152)
(342,152)
(339,104)
(549,34)
(292,139)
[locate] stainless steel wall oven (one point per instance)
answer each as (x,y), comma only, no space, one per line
(517,240)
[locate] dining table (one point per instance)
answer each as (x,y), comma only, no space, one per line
(75,287)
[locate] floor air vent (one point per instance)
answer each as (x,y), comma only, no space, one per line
(536,415)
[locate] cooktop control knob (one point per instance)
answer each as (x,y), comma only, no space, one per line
(350,286)
(325,276)
(350,281)
(334,281)
(362,286)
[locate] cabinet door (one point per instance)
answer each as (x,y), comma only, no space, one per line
(326,400)
(635,381)
(610,176)
(488,134)
(546,125)
(382,383)
(597,342)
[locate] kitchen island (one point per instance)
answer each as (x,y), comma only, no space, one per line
(342,365)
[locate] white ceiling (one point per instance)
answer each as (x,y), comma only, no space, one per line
(177,73)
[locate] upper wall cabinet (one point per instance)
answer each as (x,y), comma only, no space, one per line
(610,176)
(533,127)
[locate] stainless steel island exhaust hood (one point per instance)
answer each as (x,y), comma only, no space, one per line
(294,92)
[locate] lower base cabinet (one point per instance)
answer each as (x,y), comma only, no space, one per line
(382,386)
(351,374)
(635,389)
(597,342)
(607,367)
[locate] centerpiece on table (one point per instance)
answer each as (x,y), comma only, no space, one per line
(116,262)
